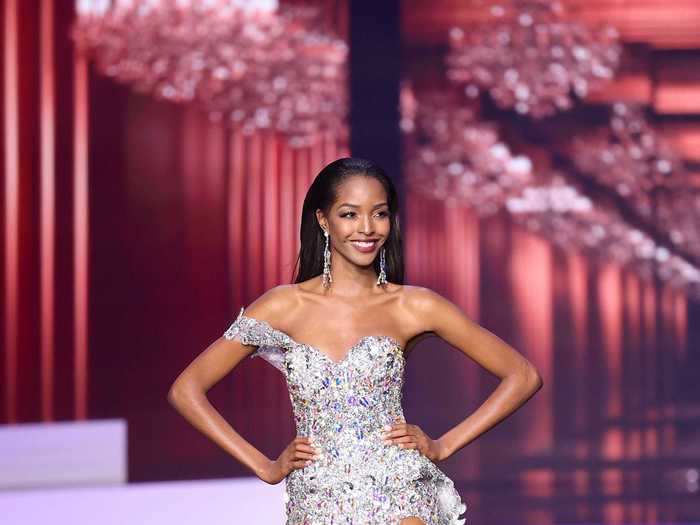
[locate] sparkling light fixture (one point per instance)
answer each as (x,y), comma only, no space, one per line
(531,57)
(631,158)
(453,157)
(560,212)
(249,62)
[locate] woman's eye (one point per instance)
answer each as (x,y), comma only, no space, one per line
(348,213)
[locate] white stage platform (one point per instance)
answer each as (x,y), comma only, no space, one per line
(75,473)
(246,501)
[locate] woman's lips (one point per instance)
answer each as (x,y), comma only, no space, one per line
(364,247)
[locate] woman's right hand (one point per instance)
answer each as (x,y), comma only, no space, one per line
(298,454)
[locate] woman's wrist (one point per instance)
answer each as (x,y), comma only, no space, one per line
(261,466)
(444,450)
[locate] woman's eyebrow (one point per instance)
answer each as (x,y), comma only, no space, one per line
(357,206)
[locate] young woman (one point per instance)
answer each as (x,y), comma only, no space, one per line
(340,335)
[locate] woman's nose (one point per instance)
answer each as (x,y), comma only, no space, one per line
(367,226)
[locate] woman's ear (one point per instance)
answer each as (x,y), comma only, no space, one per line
(321,219)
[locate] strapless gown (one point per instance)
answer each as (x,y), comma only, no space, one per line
(343,405)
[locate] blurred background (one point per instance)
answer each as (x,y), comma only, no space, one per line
(155,155)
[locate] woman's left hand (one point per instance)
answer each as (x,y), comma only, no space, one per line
(411,436)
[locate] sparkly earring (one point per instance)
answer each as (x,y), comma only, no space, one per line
(327,279)
(382,263)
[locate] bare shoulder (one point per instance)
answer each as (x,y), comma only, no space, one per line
(273,305)
(419,296)
(427,305)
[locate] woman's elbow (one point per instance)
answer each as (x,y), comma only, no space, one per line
(178,392)
(534,379)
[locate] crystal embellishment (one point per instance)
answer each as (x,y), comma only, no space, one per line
(343,406)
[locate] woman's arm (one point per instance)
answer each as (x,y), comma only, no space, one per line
(520,380)
(188,396)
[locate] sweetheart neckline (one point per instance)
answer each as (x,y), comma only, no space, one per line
(348,352)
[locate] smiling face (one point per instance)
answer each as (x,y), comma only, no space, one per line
(359,220)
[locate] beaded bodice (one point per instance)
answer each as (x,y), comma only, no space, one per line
(343,406)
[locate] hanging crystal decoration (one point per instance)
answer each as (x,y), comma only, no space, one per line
(531,58)
(250,62)
(559,211)
(453,157)
(631,158)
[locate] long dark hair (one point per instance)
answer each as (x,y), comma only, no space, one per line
(321,195)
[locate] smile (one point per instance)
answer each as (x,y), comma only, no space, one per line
(364,246)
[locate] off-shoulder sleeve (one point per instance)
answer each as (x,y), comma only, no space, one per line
(271,342)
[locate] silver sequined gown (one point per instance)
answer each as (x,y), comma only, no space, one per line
(343,405)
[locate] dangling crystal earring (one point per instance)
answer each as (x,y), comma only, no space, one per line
(382,263)
(327,278)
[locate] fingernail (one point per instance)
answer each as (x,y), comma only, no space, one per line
(387,427)
(308,462)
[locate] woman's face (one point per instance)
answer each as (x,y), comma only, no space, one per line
(360,213)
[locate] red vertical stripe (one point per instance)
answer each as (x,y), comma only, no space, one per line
(11,133)
(610,307)
(236,209)
(316,159)
(48,208)
(81,236)
(254,240)
(287,209)
(301,177)
(650,347)
(270,211)
(329,147)
(681,318)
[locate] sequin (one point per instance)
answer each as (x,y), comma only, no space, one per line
(343,405)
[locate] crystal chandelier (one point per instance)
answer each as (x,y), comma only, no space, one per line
(531,58)
(556,209)
(631,158)
(251,63)
(453,157)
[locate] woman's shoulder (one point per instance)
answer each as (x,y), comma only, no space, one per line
(424,303)
(274,303)
(419,296)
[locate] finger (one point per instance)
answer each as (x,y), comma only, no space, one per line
(306,448)
(301,464)
(304,455)
(302,439)
(396,424)
(397,433)
(399,439)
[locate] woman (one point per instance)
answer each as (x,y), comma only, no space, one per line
(340,335)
